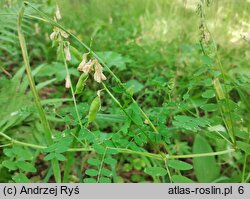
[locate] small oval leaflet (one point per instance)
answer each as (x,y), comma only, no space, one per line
(179,165)
(25,166)
(94,162)
(208,94)
(91,172)
(155,171)
(180,179)
(99,149)
(89,180)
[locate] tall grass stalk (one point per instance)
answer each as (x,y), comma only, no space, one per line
(222,94)
(44,121)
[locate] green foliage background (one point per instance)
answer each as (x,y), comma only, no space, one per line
(175,58)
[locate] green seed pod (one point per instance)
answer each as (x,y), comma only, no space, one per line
(81,83)
(94,108)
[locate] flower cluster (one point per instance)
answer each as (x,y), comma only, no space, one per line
(60,35)
(86,66)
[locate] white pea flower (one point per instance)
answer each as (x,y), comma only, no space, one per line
(98,75)
(83,62)
(53,35)
(58,32)
(88,66)
(85,65)
(63,33)
(67,81)
(58,13)
(67,51)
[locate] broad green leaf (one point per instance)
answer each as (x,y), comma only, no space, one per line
(208,94)
(190,123)
(243,146)
(25,166)
(56,69)
(45,83)
(241,134)
(179,165)
(91,172)
(206,169)
(180,179)
(110,117)
(9,165)
(209,107)
(155,171)
(55,101)
(94,162)
(20,178)
(113,59)
(134,86)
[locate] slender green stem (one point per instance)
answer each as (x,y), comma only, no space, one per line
(70,155)
(223,137)
(146,117)
(13,141)
(101,165)
(248,178)
(44,121)
(6,145)
(244,168)
(113,97)
(72,93)
(128,151)
(229,123)
(146,154)
(200,154)
(168,171)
